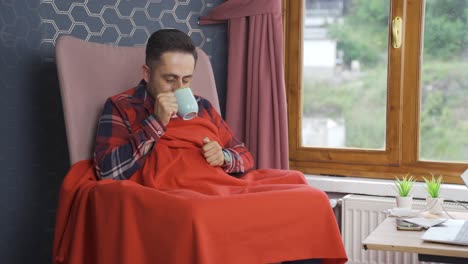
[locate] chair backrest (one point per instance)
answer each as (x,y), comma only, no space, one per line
(89,73)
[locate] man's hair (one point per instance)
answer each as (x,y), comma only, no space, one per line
(166,40)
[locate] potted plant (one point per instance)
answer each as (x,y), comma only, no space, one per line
(403,187)
(434,201)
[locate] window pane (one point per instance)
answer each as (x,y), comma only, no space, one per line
(444,87)
(345,73)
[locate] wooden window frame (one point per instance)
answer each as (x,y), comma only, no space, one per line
(402,136)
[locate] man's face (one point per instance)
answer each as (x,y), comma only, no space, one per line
(174,70)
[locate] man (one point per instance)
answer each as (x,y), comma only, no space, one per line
(124,140)
(193,162)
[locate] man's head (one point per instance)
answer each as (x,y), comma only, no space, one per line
(170,61)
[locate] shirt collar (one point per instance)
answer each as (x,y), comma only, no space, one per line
(142,97)
(140,91)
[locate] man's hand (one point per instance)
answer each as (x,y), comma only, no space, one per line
(212,152)
(165,106)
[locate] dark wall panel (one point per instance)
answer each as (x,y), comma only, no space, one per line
(33,148)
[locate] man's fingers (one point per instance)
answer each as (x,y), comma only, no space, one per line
(215,160)
(166,95)
(213,145)
(168,108)
(211,159)
(212,152)
(171,107)
(167,98)
(215,163)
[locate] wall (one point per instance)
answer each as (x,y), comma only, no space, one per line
(33,149)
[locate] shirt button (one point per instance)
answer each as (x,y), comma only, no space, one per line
(159,132)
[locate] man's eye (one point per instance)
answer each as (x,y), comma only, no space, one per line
(170,80)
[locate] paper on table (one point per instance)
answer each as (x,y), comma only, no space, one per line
(425,222)
(402,212)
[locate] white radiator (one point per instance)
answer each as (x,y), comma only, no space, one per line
(361,214)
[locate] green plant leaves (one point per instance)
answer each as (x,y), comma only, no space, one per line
(404,185)
(433,186)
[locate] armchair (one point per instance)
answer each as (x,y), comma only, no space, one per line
(267,216)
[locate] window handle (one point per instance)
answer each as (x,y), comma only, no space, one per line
(396,32)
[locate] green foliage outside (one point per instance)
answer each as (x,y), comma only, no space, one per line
(444,122)
(352,100)
(362,101)
(363,34)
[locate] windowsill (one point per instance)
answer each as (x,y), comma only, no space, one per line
(381,187)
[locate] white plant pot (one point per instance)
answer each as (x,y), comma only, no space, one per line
(404,202)
(434,205)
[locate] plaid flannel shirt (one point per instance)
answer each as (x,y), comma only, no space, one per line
(128,129)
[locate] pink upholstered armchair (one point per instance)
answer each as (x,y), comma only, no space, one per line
(235,221)
(89,73)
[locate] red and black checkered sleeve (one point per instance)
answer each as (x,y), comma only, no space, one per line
(119,152)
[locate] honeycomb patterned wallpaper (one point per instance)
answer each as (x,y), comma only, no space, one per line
(33,148)
(121,22)
(131,22)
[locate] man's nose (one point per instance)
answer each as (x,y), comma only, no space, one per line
(178,84)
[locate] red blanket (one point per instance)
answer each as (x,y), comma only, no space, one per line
(178,209)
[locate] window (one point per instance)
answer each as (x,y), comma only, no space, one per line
(377,88)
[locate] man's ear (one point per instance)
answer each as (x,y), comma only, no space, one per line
(146,73)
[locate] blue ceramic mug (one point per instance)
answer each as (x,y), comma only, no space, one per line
(186,102)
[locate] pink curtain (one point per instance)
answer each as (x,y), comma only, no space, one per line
(256,97)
